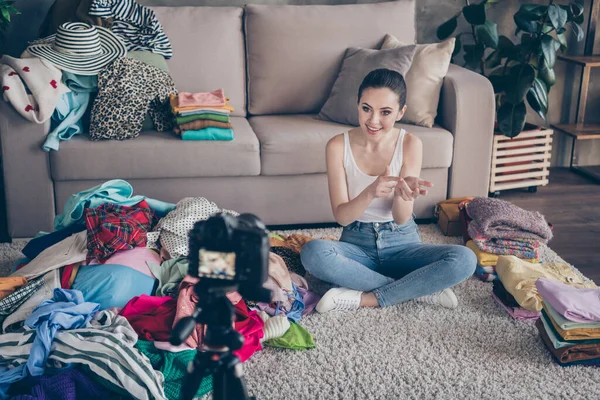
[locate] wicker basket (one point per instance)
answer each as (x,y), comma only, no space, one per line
(522,161)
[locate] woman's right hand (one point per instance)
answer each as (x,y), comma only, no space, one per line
(383,185)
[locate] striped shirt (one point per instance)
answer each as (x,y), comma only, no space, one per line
(137,25)
(104,349)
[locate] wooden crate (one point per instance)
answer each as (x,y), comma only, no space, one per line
(522,161)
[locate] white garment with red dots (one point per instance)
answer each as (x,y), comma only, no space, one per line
(43,80)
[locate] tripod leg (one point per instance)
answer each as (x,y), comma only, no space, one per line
(233,379)
(194,377)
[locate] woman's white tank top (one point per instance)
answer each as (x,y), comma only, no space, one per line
(380,209)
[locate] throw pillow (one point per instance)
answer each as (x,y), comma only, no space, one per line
(424,78)
(341,106)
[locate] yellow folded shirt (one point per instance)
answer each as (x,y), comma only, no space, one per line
(519,276)
(176,109)
(488,259)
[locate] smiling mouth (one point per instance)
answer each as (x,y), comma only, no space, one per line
(373,130)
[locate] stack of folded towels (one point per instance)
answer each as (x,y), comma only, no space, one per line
(570,322)
(202,116)
(501,228)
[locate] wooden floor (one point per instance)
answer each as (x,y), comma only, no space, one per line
(571,203)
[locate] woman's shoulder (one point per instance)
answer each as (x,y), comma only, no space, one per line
(336,142)
(410,140)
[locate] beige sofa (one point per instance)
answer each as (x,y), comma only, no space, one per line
(277,64)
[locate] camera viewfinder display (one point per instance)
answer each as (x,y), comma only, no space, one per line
(216,264)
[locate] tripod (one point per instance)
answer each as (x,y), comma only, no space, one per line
(215,311)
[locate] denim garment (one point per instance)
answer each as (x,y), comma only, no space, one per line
(389,260)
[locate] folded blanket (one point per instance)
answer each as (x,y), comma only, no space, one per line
(208,116)
(527,248)
(573,303)
(209,133)
(201,124)
(501,219)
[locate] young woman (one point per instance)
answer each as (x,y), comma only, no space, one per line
(373,174)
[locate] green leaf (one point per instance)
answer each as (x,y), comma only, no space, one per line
(488,34)
(549,47)
(578,31)
(575,10)
(557,15)
(527,21)
(475,14)
(6,14)
(506,47)
(447,28)
(548,76)
(493,60)
(13,10)
(537,97)
(563,41)
(520,79)
(511,118)
(457,46)
(473,55)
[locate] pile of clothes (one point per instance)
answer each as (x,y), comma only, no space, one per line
(570,322)
(103,292)
(202,116)
(497,227)
(516,290)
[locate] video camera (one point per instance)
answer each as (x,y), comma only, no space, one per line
(230,251)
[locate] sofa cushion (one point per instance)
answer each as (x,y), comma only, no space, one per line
(295,52)
(295,144)
(424,79)
(208,50)
(157,155)
(341,106)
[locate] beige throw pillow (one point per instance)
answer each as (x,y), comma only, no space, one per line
(424,78)
(341,106)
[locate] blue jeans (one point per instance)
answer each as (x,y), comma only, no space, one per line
(389,260)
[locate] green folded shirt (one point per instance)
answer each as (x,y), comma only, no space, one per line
(184,119)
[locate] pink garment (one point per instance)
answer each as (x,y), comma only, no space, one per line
(517,313)
(143,303)
(186,303)
(202,99)
(135,258)
(251,326)
(573,303)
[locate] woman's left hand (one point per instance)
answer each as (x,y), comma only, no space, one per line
(410,187)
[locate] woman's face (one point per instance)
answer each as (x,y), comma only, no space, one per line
(378,111)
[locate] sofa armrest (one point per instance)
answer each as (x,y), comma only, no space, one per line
(467,109)
(28,187)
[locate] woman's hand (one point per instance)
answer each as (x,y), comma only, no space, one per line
(383,185)
(409,188)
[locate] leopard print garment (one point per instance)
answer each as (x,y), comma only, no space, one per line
(127,90)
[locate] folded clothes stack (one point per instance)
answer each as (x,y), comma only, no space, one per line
(202,116)
(498,228)
(508,303)
(570,322)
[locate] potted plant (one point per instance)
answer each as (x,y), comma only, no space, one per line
(6,9)
(520,74)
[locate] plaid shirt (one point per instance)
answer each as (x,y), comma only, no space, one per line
(14,300)
(112,227)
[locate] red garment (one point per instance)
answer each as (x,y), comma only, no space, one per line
(143,303)
(112,227)
(65,277)
(151,317)
(247,323)
(251,325)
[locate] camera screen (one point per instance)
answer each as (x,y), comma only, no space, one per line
(215,264)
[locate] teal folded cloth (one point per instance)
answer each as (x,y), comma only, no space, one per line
(66,119)
(208,133)
(80,83)
(557,341)
(115,191)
